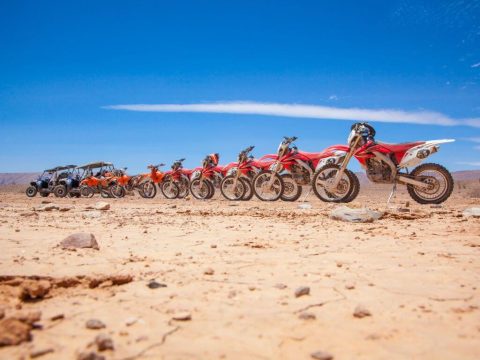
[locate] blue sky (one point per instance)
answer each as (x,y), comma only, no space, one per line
(62,63)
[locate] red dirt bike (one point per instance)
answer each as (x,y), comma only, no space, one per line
(387,164)
(148,182)
(237,183)
(292,169)
(204,180)
(176,181)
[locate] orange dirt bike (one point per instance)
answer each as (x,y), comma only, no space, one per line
(176,181)
(98,184)
(122,183)
(148,182)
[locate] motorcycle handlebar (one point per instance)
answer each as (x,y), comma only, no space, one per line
(289,140)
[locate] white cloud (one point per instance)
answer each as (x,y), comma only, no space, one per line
(470,163)
(476,65)
(307,111)
(333,97)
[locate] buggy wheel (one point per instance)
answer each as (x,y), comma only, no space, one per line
(60,191)
(31,191)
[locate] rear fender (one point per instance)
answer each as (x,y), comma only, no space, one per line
(417,154)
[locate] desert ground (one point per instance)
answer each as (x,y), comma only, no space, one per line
(188,279)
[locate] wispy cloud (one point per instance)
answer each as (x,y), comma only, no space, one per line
(470,163)
(475,140)
(476,65)
(307,111)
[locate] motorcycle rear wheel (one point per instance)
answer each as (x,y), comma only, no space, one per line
(355,188)
(292,191)
(260,184)
(248,189)
(117,191)
(86,192)
(325,175)
(183,187)
(440,184)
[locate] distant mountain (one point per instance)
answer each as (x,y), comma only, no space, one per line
(17,178)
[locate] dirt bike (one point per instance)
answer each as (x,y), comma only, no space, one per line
(387,164)
(204,180)
(122,183)
(150,181)
(292,169)
(237,183)
(101,184)
(176,181)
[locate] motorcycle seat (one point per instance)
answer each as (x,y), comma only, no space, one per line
(310,155)
(401,146)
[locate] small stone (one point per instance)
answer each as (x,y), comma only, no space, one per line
(361,312)
(94,324)
(131,320)
(280,286)
(80,241)
(64,208)
(344,213)
(33,289)
(305,206)
(13,332)
(213,246)
(307,316)
(48,207)
(41,352)
(182,316)
(209,271)
(252,288)
(90,355)
(102,205)
(302,290)
(173,206)
(104,342)
(349,286)
(321,355)
(57,317)
(28,317)
(152,284)
(473,212)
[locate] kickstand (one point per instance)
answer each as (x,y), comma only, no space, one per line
(305,197)
(392,194)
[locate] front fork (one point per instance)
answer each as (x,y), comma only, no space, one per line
(344,165)
(274,171)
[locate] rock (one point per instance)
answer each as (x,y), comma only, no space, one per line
(321,355)
(302,290)
(41,352)
(93,214)
(280,286)
(28,317)
(152,284)
(13,332)
(349,286)
(182,316)
(404,210)
(45,202)
(94,324)
(90,355)
(305,206)
(131,320)
(120,279)
(104,342)
(307,316)
(361,312)
(102,205)
(209,271)
(345,213)
(80,241)
(2,314)
(473,211)
(34,289)
(48,207)
(65,208)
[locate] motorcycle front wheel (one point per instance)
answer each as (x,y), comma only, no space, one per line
(117,191)
(248,189)
(148,190)
(268,186)
(231,192)
(201,189)
(86,192)
(169,189)
(183,186)
(323,180)
(439,180)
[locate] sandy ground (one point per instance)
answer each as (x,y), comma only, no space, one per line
(235,267)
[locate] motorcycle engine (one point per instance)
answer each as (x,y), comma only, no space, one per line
(300,175)
(378,171)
